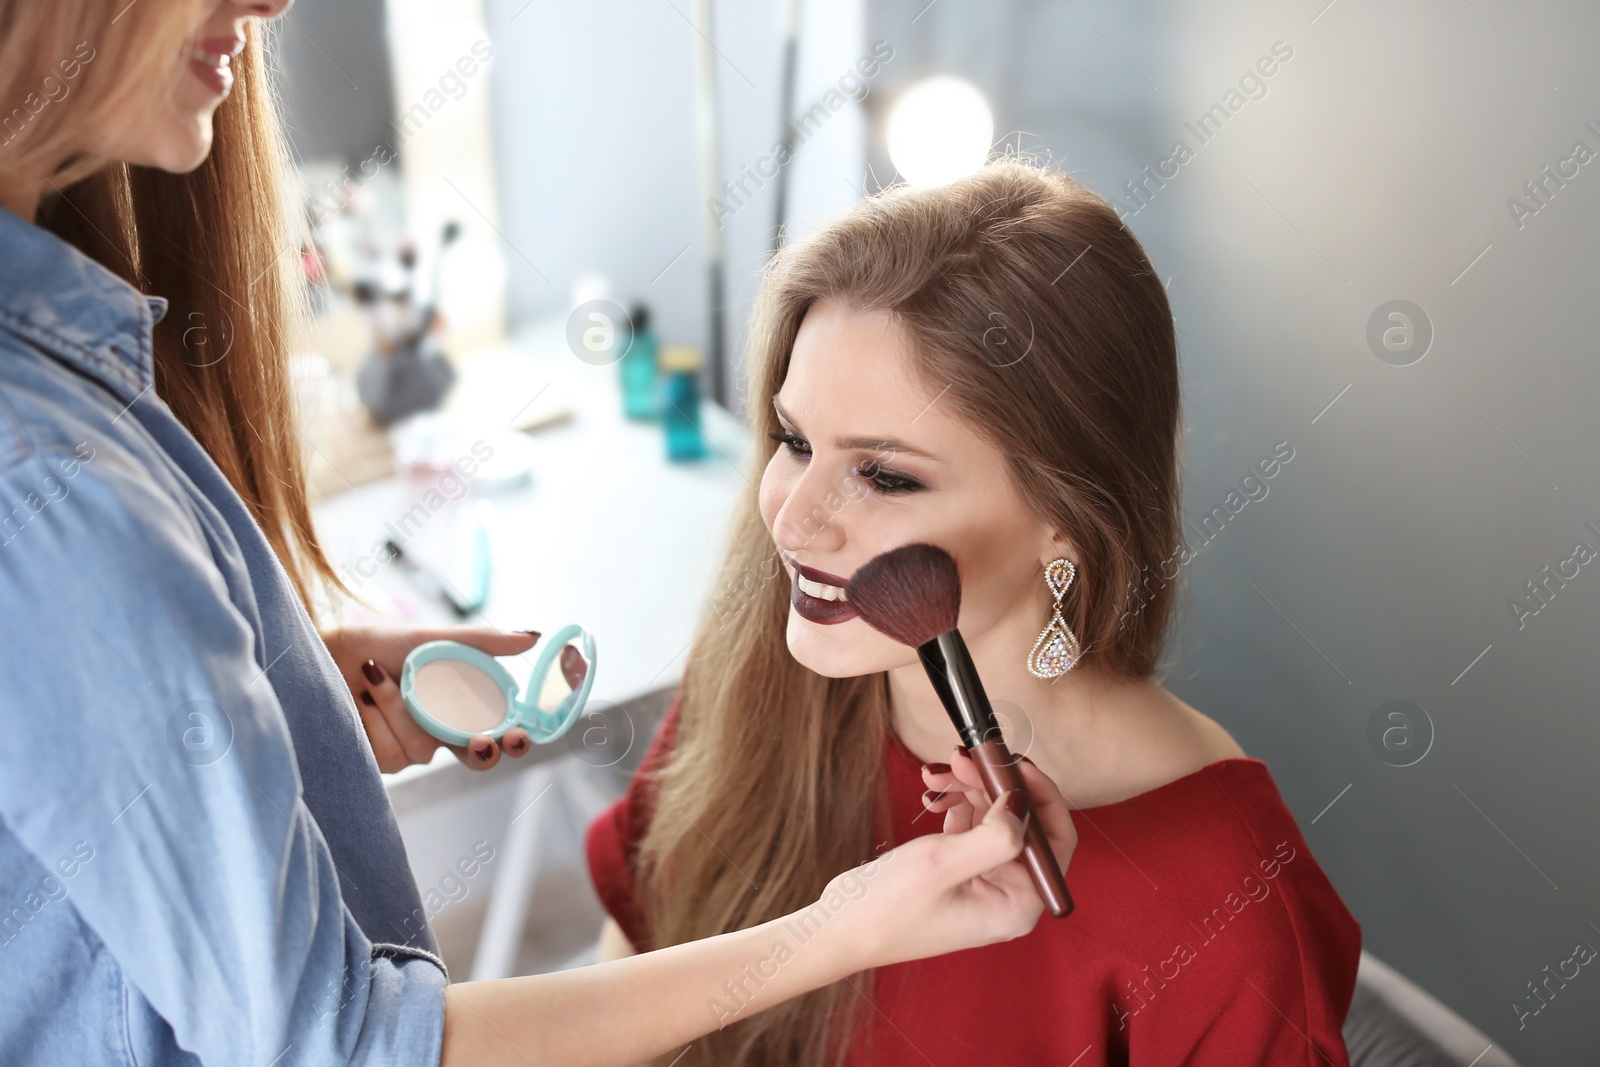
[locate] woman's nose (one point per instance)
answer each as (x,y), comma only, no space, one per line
(808,519)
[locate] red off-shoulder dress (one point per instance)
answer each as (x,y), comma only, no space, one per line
(1204,934)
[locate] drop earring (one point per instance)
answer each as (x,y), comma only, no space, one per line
(1057,651)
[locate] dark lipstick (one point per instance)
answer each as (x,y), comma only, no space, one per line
(815,609)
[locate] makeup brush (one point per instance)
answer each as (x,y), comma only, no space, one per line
(913,594)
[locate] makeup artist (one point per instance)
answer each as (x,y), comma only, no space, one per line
(198,863)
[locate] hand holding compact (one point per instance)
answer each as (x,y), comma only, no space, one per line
(461,694)
(371,657)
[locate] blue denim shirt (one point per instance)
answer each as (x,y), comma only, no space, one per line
(198,863)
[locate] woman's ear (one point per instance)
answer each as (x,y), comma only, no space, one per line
(1058,547)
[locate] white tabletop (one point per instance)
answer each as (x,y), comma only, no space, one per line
(608,534)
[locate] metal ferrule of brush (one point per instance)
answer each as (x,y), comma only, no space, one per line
(955,680)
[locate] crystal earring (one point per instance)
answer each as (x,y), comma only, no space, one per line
(1057,650)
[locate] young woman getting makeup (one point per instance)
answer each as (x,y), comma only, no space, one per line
(197,860)
(988,367)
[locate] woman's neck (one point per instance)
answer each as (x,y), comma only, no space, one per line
(1048,720)
(1100,731)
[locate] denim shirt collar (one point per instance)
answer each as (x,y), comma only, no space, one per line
(75,309)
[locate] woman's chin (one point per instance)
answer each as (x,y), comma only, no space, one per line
(843,650)
(178,146)
(188,149)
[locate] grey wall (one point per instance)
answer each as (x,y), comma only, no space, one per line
(598,165)
(594,117)
(336,82)
(1386,555)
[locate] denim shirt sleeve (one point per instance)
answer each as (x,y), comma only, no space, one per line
(139,724)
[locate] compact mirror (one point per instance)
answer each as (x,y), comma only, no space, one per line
(457,692)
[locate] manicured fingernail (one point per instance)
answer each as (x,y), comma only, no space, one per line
(366,698)
(515,742)
(936,768)
(535,634)
(930,797)
(373,672)
(1017,804)
(482,749)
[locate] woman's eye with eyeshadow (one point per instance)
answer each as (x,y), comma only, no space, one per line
(886,481)
(798,446)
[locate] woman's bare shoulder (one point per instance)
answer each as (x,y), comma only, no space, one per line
(1188,739)
(1157,739)
(1210,741)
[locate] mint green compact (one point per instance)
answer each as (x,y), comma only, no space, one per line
(457,692)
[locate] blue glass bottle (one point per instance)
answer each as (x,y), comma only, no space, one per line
(638,369)
(680,403)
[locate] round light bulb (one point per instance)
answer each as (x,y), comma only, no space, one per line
(939,130)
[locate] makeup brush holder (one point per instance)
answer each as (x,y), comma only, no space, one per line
(410,379)
(457,692)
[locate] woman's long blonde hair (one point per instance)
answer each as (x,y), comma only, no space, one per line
(215,242)
(1027,296)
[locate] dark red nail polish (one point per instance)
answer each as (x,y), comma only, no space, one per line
(1017,804)
(936,768)
(515,743)
(535,634)
(373,672)
(366,698)
(930,797)
(482,749)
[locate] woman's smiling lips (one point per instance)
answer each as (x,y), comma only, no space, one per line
(818,596)
(211,61)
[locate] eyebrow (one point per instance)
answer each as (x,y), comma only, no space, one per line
(868,444)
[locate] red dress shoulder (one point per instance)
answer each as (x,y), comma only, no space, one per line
(1204,934)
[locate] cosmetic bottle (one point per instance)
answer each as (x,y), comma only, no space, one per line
(680,403)
(638,368)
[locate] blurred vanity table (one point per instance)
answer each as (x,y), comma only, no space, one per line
(604,532)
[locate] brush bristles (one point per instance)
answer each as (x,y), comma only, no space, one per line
(912,593)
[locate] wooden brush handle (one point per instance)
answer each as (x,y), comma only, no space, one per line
(1000,773)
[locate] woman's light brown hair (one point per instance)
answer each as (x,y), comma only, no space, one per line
(215,242)
(1026,295)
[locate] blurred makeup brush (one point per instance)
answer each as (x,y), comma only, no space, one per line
(913,594)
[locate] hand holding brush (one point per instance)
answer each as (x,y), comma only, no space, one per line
(957,790)
(913,594)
